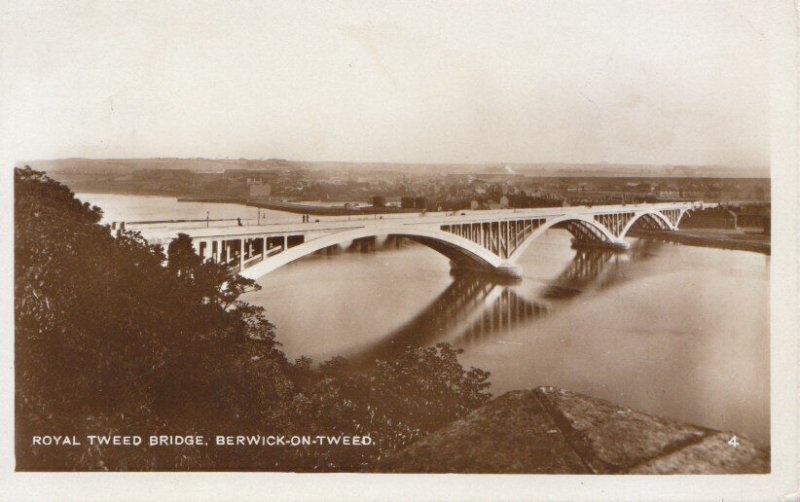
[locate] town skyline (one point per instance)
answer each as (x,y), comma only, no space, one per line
(530,169)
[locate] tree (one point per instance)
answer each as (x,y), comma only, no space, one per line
(394,401)
(114,337)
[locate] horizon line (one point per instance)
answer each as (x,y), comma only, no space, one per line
(356,162)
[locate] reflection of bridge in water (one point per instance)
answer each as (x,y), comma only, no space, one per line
(595,268)
(508,311)
(476,309)
(585,268)
(464,296)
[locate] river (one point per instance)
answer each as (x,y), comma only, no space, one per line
(668,329)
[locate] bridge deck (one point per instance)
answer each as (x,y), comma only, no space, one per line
(164,232)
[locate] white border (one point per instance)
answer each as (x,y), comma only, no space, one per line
(782,483)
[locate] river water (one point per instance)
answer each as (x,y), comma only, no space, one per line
(668,329)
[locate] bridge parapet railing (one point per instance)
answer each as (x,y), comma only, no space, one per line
(421,217)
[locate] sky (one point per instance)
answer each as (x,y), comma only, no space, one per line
(639,82)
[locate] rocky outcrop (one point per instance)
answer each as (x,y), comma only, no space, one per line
(554,431)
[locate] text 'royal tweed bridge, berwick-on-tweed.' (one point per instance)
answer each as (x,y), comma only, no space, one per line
(489,240)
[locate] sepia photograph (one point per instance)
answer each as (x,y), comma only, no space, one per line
(514,238)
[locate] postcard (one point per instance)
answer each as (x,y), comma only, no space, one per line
(400,250)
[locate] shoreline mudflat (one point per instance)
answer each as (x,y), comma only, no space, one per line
(756,243)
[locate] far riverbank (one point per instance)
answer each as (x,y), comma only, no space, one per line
(720,239)
(300,208)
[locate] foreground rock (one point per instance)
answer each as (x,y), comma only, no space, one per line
(553,431)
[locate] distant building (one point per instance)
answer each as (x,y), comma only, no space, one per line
(669,193)
(378,201)
(259,190)
(754,216)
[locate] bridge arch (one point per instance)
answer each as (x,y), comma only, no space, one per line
(458,249)
(653,218)
(571,224)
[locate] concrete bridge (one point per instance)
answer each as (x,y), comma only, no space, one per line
(483,240)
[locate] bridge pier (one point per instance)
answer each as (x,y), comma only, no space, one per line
(505,273)
(362,244)
(619,246)
(509,271)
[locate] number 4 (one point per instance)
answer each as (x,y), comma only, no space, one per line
(734,441)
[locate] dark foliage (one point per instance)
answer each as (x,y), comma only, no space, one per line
(111,339)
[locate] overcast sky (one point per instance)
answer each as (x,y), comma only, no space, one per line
(620,82)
